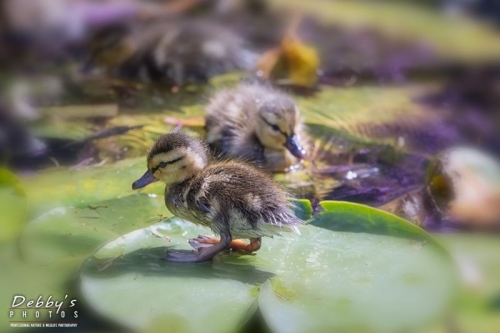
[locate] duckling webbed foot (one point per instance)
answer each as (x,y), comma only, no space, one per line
(202,242)
(203,254)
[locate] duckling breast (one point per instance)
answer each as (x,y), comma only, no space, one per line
(177,202)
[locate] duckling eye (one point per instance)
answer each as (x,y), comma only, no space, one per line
(275,128)
(162,164)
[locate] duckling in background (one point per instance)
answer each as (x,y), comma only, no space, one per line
(177,51)
(256,123)
(193,51)
(122,48)
(232,198)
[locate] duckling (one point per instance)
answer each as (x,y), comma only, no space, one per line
(256,123)
(195,50)
(122,48)
(234,199)
(177,52)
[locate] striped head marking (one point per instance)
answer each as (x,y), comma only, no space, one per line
(174,158)
(278,124)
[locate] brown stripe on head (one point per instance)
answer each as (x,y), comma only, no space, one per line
(278,120)
(172,141)
(176,157)
(280,110)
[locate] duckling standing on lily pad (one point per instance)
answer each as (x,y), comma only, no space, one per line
(257,123)
(234,199)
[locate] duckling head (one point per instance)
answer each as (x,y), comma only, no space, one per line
(174,158)
(278,125)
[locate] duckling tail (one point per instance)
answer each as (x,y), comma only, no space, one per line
(294,229)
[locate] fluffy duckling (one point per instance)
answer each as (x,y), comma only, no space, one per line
(123,49)
(256,123)
(193,51)
(232,198)
(112,45)
(177,51)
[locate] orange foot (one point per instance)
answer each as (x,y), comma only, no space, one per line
(203,241)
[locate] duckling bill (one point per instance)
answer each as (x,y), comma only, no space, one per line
(256,123)
(234,199)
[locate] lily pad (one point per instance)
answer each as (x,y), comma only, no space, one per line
(81,111)
(366,111)
(139,290)
(12,205)
(63,237)
(79,187)
(303,209)
(360,269)
(353,268)
(477,307)
(28,280)
(65,130)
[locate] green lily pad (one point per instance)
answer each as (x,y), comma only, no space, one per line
(343,216)
(377,273)
(303,209)
(63,237)
(358,269)
(477,307)
(12,206)
(214,297)
(28,280)
(66,130)
(81,111)
(62,187)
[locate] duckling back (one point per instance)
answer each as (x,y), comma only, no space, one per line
(231,120)
(176,51)
(124,48)
(193,51)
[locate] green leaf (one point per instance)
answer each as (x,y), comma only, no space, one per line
(28,280)
(12,206)
(387,277)
(302,209)
(352,217)
(357,269)
(80,187)
(477,257)
(65,236)
(140,291)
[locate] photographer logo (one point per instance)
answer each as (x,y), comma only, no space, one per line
(43,312)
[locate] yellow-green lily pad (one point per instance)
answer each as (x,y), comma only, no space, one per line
(63,237)
(80,187)
(377,273)
(358,269)
(12,206)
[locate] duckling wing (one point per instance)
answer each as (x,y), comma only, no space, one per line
(251,204)
(230,136)
(198,202)
(231,112)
